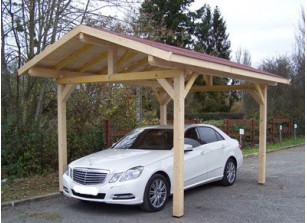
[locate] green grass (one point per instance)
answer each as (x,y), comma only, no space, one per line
(276,146)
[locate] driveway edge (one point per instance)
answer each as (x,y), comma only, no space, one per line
(36,198)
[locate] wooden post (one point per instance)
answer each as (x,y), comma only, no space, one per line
(262,136)
(178,168)
(64,92)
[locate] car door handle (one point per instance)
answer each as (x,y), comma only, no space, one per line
(203,153)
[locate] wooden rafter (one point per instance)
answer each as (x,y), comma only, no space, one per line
(127,55)
(92,62)
(73,56)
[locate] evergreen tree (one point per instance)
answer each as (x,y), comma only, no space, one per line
(166,21)
(211,35)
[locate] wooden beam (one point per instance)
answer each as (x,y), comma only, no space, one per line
(67,91)
(92,62)
(73,56)
(208,79)
(214,69)
(260,93)
(223,88)
(136,65)
(112,61)
(178,165)
(167,87)
(189,84)
(134,76)
(45,72)
(95,41)
(262,136)
(127,55)
(163,99)
(62,137)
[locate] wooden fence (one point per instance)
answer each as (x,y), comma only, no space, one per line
(230,126)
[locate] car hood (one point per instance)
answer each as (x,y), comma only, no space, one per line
(120,159)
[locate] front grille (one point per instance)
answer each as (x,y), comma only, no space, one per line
(88,176)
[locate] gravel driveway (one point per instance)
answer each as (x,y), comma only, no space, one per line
(281,199)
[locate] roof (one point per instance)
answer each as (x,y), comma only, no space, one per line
(85,51)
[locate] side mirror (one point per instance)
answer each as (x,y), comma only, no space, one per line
(188,148)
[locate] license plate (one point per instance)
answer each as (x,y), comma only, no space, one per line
(88,190)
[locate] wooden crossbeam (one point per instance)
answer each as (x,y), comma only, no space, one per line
(73,56)
(222,88)
(134,76)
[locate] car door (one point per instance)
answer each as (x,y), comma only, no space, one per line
(212,152)
(194,166)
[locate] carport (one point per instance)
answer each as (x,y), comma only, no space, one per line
(89,55)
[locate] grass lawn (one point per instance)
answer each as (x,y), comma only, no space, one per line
(17,189)
(286,143)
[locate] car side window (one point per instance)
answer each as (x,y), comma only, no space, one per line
(209,135)
(191,134)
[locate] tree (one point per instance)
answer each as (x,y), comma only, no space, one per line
(166,21)
(29,103)
(211,35)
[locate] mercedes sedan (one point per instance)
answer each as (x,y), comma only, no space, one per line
(138,169)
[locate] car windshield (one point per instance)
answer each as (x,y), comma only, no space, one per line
(147,139)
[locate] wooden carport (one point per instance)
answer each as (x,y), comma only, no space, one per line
(89,55)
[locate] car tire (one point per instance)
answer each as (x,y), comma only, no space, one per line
(230,173)
(156,193)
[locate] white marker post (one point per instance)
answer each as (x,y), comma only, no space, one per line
(295,127)
(241,136)
(280,131)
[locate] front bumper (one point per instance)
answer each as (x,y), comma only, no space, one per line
(128,192)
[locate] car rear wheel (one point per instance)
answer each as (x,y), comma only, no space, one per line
(156,193)
(230,173)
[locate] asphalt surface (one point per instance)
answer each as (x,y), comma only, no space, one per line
(281,199)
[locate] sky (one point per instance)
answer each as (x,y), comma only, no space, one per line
(266,28)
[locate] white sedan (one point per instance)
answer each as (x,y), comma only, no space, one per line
(138,170)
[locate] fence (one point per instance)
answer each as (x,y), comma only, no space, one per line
(231,127)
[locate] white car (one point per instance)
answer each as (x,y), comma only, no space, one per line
(138,170)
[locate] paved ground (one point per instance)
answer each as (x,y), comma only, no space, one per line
(281,199)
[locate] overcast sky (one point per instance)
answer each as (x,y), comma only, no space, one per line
(264,27)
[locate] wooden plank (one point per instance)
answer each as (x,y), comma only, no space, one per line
(73,56)
(136,65)
(49,49)
(95,41)
(262,136)
(127,55)
(178,166)
(92,62)
(134,76)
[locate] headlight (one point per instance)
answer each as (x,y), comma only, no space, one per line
(132,173)
(68,171)
(115,177)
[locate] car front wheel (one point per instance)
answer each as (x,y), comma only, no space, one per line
(156,193)
(230,173)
